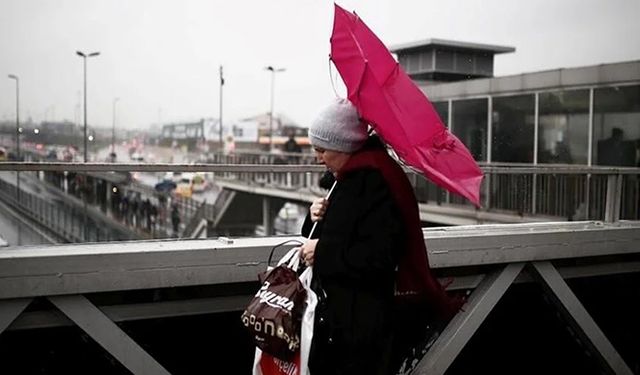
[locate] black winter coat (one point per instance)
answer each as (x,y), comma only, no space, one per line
(360,239)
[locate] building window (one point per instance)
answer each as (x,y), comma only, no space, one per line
(404,62)
(444,60)
(470,125)
(413,63)
(426,61)
(464,62)
(513,127)
(484,64)
(443,111)
(616,126)
(563,133)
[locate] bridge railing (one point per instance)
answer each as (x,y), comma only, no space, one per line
(80,281)
(247,157)
(568,192)
(554,192)
(69,222)
(560,191)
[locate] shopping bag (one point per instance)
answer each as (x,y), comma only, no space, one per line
(308,317)
(265,364)
(274,315)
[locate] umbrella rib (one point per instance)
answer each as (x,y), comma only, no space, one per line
(366,62)
(355,40)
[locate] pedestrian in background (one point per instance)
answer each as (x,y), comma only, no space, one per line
(175,219)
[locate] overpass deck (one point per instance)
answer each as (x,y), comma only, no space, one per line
(485,260)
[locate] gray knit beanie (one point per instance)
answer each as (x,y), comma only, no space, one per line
(338,128)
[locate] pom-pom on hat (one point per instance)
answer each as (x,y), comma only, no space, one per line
(338,128)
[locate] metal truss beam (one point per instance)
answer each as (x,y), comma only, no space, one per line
(462,327)
(10,309)
(95,323)
(137,311)
(575,313)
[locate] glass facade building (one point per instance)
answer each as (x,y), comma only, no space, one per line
(571,117)
(579,116)
(470,117)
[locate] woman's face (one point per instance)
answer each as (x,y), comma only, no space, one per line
(334,160)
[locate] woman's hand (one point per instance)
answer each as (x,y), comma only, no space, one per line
(317,209)
(308,251)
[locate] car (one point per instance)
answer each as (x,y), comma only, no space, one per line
(137,157)
(198,183)
(183,188)
(191,183)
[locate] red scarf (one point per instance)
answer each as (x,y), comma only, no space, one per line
(414,277)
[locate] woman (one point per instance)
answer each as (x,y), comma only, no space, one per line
(368,229)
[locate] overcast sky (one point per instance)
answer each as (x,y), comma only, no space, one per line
(161,57)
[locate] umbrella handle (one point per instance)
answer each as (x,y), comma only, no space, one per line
(313,229)
(333,85)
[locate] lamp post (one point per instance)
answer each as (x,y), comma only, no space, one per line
(84,58)
(84,187)
(113,132)
(15,78)
(273,71)
(220,122)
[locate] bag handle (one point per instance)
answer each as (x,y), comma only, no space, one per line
(281,244)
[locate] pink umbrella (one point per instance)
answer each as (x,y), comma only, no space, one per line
(396,108)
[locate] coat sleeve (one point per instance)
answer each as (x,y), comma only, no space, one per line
(364,242)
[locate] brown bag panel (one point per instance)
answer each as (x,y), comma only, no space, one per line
(275,313)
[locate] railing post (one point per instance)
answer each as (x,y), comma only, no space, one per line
(266,216)
(534,187)
(64,220)
(587,196)
(59,227)
(487,195)
(613,198)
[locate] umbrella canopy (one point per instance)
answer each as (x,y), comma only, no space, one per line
(165,186)
(396,108)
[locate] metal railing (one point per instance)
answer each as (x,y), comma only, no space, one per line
(248,157)
(554,192)
(559,191)
(195,220)
(66,221)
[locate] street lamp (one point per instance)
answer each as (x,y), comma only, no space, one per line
(18,131)
(220,121)
(273,79)
(84,57)
(15,78)
(113,132)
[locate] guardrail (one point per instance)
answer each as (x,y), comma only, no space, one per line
(560,192)
(485,259)
(67,222)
